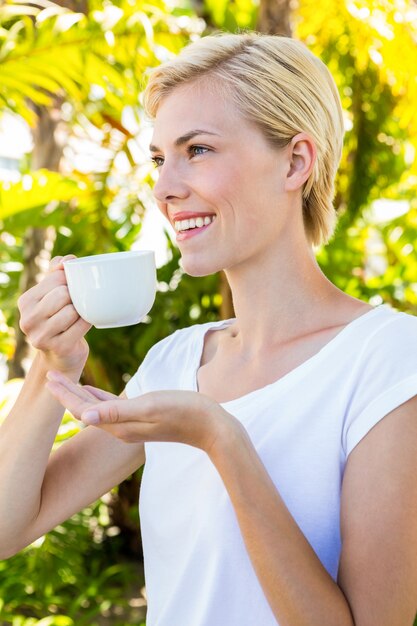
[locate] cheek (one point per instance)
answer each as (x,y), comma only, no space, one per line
(236,199)
(221,187)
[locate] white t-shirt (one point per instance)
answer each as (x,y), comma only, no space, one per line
(303,427)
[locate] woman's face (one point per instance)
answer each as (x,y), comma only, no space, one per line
(221,185)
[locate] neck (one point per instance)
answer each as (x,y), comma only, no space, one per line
(279,298)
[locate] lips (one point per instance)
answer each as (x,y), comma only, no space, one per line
(189,224)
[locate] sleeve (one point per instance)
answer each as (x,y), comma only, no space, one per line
(162,366)
(136,386)
(385,378)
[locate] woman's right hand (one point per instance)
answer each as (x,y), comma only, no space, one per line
(51,323)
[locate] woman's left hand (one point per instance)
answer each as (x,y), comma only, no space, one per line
(182,416)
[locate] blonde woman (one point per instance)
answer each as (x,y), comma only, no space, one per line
(281,445)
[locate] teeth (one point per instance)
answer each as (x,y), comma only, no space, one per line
(194,222)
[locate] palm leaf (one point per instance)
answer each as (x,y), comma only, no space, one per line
(37,190)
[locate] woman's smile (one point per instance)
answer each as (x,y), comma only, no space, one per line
(192,226)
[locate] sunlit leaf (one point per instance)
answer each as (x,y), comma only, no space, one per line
(37,191)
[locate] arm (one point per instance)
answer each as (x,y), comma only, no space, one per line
(37,493)
(378,565)
(26,439)
(52,488)
(377,579)
(298,588)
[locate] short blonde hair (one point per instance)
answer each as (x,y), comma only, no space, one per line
(280,86)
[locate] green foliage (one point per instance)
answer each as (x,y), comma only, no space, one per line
(90,69)
(70,577)
(371,257)
(46,49)
(231,16)
(37,190)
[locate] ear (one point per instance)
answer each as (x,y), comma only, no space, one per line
(302,156)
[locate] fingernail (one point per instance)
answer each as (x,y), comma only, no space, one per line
(90,417)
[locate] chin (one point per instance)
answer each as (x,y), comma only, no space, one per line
(196,268)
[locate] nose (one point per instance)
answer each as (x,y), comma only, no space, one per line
(170,184)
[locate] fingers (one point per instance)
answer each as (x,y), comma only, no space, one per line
(36,293)
(75,398)
(51,323)
(54,278)
(83,391)
(118,411)
(58,262)
(58,333)
(151,417)
(100,394)
(49,318)
(70,398)
(72,335)
(79,390)
(42,336)
(55,300)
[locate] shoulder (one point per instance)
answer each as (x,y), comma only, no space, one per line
(179,338)
(181,341)
(390,350)
(169,362)
(389,336)
(383,372)
(395,324)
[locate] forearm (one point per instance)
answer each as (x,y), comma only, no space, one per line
(298,588)
(26,439)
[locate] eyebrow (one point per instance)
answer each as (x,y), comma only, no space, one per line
(184,138)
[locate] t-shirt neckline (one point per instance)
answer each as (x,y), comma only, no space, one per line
(285,380)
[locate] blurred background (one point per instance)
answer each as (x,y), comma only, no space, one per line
(75,177)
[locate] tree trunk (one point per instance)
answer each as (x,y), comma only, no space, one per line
(123,514)
(38,242)
(274,17)
(37,246)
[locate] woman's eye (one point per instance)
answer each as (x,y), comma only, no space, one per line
(158,161)
(192,151)
(196,150)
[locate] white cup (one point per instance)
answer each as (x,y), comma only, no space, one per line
(112,290)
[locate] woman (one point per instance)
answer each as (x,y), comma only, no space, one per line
(293,501)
